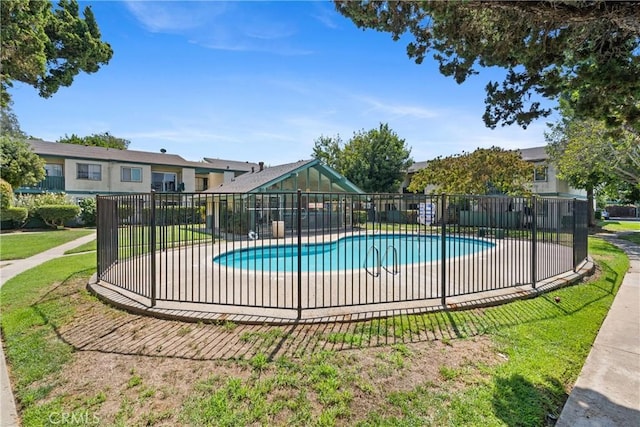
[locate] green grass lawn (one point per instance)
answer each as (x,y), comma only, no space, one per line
(617,226)
(25,244)
(537,348)
(87,247)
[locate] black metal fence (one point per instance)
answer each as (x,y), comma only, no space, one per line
(307,251)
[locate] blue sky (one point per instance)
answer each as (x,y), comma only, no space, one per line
(260,81)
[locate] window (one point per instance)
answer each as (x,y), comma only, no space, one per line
(202,184)
(163,181)
(129,174)
(88,171)
(540,173)
(53,170)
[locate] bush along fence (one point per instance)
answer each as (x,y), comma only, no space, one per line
(297,254)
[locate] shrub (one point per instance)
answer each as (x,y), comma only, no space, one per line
(235,222)
(34,201)
(359,217)
(17,215)
(56,215)
(6,194)
(88,211)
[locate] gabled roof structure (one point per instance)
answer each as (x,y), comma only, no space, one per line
(305,175)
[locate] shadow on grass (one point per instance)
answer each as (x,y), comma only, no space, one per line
(519,402)
(95,326)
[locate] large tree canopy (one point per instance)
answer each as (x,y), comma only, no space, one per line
(549,48)
(19,164)
(46,46)
(97,140)
(589,154)
(484,171)
(375,160)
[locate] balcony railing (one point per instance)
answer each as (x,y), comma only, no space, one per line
(167,187)
(50,183)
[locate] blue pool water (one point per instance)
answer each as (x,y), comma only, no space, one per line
(351,252)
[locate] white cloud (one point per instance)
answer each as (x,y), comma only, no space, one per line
(220,25)
(326,15)
(174,17)
(399,110)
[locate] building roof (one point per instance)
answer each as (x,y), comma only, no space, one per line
(248,182)
(231,164)
(259,179)
(533,154)
(57,149)
(416,166)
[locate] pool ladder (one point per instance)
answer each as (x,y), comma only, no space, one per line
(378,265)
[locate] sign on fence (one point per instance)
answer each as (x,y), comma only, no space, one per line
(426,213)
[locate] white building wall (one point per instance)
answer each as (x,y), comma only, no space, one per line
(111,178)
(189,180)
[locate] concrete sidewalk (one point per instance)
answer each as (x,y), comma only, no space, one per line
(607,392)
(8,412)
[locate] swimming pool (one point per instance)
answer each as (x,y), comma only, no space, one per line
(371,252)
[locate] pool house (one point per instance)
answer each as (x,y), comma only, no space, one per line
(263,202)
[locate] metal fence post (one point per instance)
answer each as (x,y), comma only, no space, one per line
(299,225)
(573,234)
(99,245)
(152,244)
(443,248)
(534,241)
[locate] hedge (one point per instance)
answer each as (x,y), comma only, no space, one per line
(16,215)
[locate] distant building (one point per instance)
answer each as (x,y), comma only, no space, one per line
(544,181)
(85,171)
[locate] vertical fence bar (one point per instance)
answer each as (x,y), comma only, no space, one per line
(100,225)
(573,234)
(534,240)
(443,248)
(299,225)
(152,244)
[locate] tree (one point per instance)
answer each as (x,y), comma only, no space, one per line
(19,164)
(9,124)
(327,149)
(619,192)
(375,160)
(46,46)
(589,154)
(484,171)
(548,48)
(97,140)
